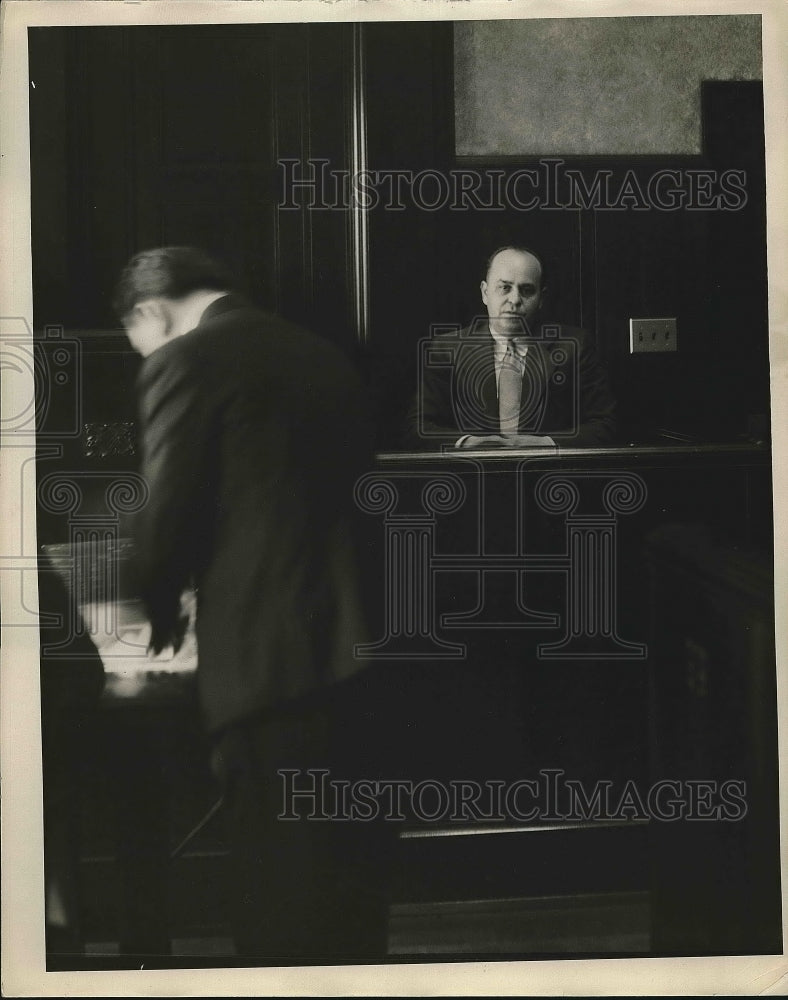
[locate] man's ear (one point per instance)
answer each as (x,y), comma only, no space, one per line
(148,309)
(156,310)
(483,290)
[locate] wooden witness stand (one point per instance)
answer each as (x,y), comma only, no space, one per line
(499,682)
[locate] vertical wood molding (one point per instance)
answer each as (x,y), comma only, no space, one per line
(275,152)
(587,279)
(358,162)
(307,247)
(145,226)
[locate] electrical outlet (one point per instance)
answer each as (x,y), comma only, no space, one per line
(653,336)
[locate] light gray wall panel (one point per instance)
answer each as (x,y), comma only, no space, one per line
(589,86)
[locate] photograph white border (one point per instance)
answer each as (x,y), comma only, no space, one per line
(23,969)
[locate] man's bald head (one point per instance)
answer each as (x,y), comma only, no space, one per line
(519,248)
(512,290)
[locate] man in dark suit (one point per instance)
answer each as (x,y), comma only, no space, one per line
(254,432)
(511,380)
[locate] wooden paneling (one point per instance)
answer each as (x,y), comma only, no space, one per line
(713,720)
(605,264)
(704,266)
(144,136)
(409,128)
(149,136)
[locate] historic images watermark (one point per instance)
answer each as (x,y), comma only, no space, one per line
(92,551)
(549,797)
(315,185)
(411,506)
(44,414)
(552,368)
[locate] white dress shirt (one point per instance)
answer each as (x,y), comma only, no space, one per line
(500,347)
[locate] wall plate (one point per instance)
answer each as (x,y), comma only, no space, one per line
(652,336)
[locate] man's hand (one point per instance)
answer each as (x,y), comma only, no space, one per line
(483,441)
(161,638)
(507,441)
(529,441)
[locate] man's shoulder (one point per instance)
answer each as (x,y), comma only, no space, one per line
(553,333)
(452,350)
(169,358)
(240,317)
(194,355)
(457,337)
(557,329)
(253,320)
(479,331)
(445,335)
(246,331)
(466,342)
(258,344)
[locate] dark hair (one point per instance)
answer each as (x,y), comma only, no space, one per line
(169,271)
(520,249)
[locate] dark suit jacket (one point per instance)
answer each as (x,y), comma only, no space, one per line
(253,434)
(565,390)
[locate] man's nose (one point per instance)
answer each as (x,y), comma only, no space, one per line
(514,296)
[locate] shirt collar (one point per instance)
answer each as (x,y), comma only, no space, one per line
(231,300)
(501,344)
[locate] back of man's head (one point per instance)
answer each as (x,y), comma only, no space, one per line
(169,272)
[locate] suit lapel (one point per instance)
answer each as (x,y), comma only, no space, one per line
(477,363)
(478,367)
(536,378)
(489,387)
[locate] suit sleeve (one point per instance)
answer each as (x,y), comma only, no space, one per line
(596,414)
(598,425)
(170,530)
(430,423)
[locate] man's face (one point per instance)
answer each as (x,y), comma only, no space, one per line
(512,291)
(147,326)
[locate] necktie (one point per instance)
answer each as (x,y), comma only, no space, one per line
(510,387)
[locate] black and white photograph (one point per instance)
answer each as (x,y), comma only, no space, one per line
(392,454)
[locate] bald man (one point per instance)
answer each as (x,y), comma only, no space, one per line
(511,380)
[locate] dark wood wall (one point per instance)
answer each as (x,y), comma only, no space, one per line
(705,266)
(148,135)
